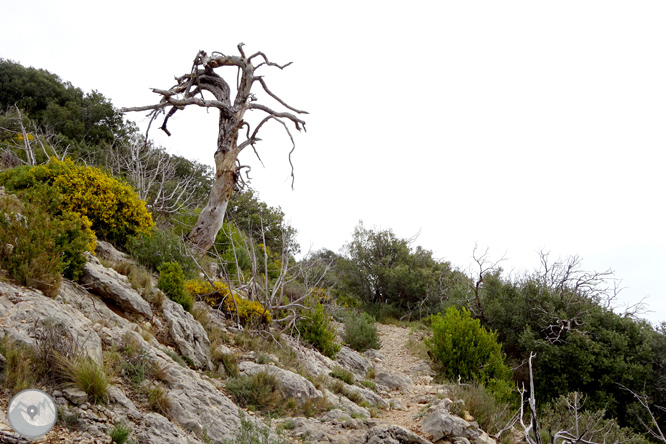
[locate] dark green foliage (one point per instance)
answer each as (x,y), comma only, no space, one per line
(120,433)
(468,351)
(39,242)
(77,117)
(153,249)
(580,345)
(252,216)
(315,328)
(380,268)
(233,246)
(172,283)
(343,375)
(360,332)
(568,412)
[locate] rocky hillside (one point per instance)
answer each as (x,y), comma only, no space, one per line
(168,373)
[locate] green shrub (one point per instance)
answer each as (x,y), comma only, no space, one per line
(38,243)
(113,207)
(360,332)
(158,246)
(261,391)
(342,374)
(568,412)
(120,433)
(158,401)
(315,328)
(137,366)
(172,283)
(385,313)
(468,351)
(229,362)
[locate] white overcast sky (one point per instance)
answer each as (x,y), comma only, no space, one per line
(514,125)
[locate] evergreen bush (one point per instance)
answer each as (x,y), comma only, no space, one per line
(468,351)
(219,295)
(172,283)
(152,249)
(360,332)
(38,243)
(261,391)
(316,329)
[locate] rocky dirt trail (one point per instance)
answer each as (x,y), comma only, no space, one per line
(409,400)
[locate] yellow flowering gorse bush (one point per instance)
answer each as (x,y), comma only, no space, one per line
(249,312)
(113,207)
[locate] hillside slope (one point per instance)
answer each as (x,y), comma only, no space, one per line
(167,382)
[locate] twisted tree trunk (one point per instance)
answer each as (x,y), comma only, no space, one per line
(189,91)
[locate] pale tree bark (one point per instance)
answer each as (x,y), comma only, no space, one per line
(190,90)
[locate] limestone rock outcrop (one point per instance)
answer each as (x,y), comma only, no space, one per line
(112,285)
(188,334)
(23,312)
(439,422)
(294,385)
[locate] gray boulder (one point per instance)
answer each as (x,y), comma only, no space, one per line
(188,334)
(156,429)
(314,362)
(393,381)
(441,424)
(344,403)
(353,361)
(90,305)
(108,251)
(294,385)
(368,396)
(196,403)
(375,355)
(393,434)
(75,396)
(110,284)
(23,312)
(337,431)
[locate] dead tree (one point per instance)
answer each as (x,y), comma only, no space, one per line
(189,90)
(152,171)
(475,303)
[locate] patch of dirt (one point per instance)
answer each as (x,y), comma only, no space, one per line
(399,359)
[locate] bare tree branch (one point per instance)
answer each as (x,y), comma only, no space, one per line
(189,90)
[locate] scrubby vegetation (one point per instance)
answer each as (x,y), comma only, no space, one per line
(113,208)
(315,328)
(172,283)
(57,358)
(40,244)
(360,332)
(469,352)
(61,163)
